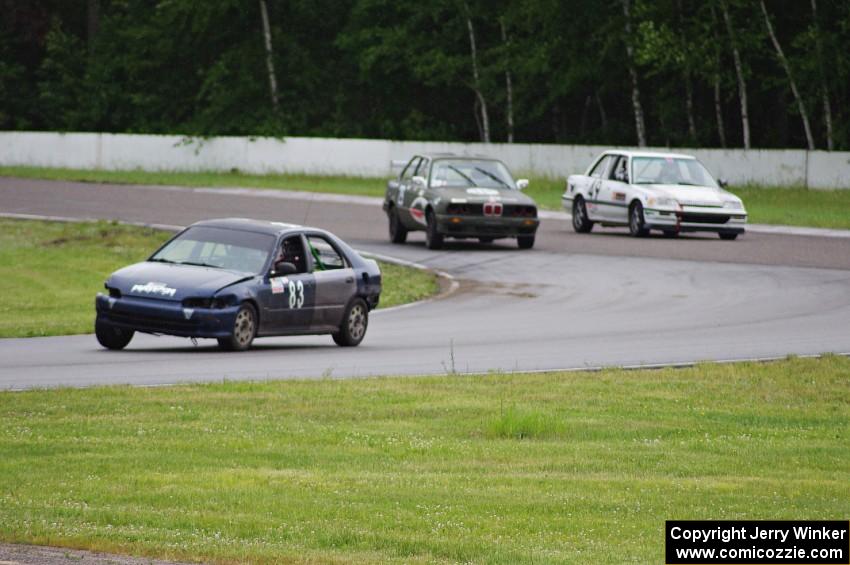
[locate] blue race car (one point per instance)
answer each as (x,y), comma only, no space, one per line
(237,279)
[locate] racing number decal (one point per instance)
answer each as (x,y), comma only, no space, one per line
(296,294)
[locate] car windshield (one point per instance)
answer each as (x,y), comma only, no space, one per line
(221,248)
(670,170)
(463,173)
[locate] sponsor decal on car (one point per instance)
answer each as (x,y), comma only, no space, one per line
(482,191)
(620,196)
(296,294)
(154,288)
(277,285)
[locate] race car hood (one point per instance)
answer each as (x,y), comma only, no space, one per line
(166,281)
(481,194)
(687,195)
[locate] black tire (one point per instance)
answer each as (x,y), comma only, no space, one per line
(111,337)
(637,226)
(244,330)
(433,238)
(525,241)
(581,224)
(355,321)
(670,233)
(728,236)
(486,239)
(398,233)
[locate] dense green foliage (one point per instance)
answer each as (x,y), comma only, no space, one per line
(36,300)
(390,69)
(522,468)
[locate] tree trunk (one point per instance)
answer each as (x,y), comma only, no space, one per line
(583,124)
(477,115)
(781,56)
(267,35)
(509,91)
(739,72)
(718,100)
(92,21)
(481,101)
(718,110)
(689,106)
(603,116)
(689,89)
(638,109)
(827,111)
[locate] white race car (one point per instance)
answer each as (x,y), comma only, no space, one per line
(652,191)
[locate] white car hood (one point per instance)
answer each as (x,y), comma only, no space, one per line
(687,195)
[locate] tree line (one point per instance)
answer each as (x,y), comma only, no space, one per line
(701,73)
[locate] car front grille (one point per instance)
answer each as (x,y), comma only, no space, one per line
(465,209)
(520,211)
(153,323)
(691,218)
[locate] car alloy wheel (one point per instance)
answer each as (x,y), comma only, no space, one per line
(354,324)
(244,330)
(636,223)
(433,238)
(398,233)
(357,322)
(581,223)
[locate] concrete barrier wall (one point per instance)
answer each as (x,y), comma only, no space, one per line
(372,157)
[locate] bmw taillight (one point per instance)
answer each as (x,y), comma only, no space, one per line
(493,208)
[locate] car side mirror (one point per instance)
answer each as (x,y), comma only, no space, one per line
(419,181)
(284,268)
(522,184)
(723,182)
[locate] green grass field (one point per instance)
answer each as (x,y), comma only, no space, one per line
(525,468)
(310,183)
(51,271)
(766,205)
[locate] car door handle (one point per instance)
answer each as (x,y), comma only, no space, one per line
(349,279)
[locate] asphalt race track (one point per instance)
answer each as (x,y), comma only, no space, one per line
(574,301)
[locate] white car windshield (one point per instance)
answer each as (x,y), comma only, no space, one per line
(221,248)
(463,173)
(670,170)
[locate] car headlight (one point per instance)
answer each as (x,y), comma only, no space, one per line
(733,204)
(197,302)
(215,302)
(224,301)
(662,201)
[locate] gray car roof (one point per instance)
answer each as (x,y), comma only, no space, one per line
(248,224)
(434,156)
